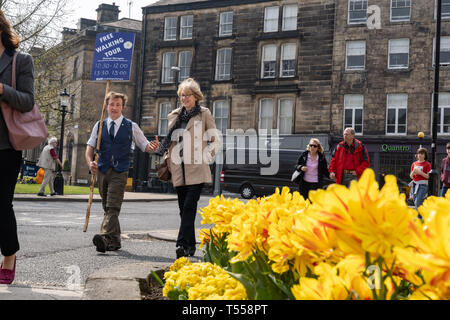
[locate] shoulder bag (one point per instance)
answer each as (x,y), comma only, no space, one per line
(26,129)
(163,170)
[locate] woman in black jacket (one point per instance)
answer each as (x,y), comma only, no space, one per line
(22,99)
(313,167)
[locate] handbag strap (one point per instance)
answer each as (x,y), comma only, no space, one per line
(13,76)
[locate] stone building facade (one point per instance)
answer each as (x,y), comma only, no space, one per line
(383,79)
(260,65)
(72,71)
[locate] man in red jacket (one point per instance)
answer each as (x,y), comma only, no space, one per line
(349,160)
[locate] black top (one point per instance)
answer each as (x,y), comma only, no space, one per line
(322,169)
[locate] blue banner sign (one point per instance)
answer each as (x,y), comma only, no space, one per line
(113,54)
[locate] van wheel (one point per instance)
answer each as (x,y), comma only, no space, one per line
(247,191)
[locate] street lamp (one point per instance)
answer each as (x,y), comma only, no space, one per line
(433,183)
(64,101)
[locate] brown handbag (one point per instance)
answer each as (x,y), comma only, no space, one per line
(164,171)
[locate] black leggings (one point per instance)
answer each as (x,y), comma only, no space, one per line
(304,187)
(10,165)
(188,197)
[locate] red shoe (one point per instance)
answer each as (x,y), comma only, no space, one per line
(7,276)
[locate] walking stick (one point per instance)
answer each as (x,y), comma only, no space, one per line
(99,140)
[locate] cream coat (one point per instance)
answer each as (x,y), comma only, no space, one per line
(200,130)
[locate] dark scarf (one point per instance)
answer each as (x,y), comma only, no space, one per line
(184,116)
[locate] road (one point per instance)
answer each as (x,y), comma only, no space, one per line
(55,252)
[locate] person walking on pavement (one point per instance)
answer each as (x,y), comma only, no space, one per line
(22,99)
(445,172)
(312,166)
(420,173)
(118,133)
(349,159)
(48,161)
(190,127)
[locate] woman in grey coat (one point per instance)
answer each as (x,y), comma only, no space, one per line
(22,99)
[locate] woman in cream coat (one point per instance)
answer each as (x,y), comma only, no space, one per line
(192,143)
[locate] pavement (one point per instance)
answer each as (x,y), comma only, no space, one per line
(123,282)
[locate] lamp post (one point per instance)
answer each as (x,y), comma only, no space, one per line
(63,105)
(433,183)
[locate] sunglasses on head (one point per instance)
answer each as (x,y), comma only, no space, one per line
(314,145)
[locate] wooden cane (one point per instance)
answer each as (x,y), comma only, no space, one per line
(99,140)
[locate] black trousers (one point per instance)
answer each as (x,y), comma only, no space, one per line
(304,187)
(10,165)
(188,197)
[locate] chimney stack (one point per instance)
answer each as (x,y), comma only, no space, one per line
(107,13)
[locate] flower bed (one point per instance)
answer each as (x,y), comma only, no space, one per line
(346,243)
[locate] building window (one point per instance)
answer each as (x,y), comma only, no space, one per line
(186,27)
(287,65)
(223,64)
(357,11)
(226,24)
(290,17)
(75,68)
(443,123)
(285,115)
(400,10)
(163,126)
(445,11)
(266,114)
(444,56)
(271,19)
(356,55)
(396,113)
(170,28)
(353,112)
(398,53)
(269,61)
(220,113)
(184,62)
(168,63)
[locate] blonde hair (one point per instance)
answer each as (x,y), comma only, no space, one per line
(192,86)
(315,141)
(115,95)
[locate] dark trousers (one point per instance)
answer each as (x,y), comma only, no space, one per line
(111,186)
(304,187)
(10,166)
(188,197)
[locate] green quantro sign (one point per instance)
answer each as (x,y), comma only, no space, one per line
(395,148)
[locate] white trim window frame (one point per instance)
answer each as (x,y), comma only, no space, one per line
(354,112)
(287,57)
(444,56)
(396,114)
(443,124)
(445,11)
(289,21)
(170,28)
(265,120)
(226,24)
(223,64)
(163,123)
(355,51)
(398,57)
(221,112)
(186,27)
(269,61)
(400,10)
(285,116)
(271,15)
(184,62)
(357,12)
(167,75)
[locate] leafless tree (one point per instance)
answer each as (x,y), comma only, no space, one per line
(38,22)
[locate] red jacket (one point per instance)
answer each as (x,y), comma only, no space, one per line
(361,159)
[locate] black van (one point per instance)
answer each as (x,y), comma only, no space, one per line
(247,178)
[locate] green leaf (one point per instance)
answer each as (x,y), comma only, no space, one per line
(247,283)
(157,278)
